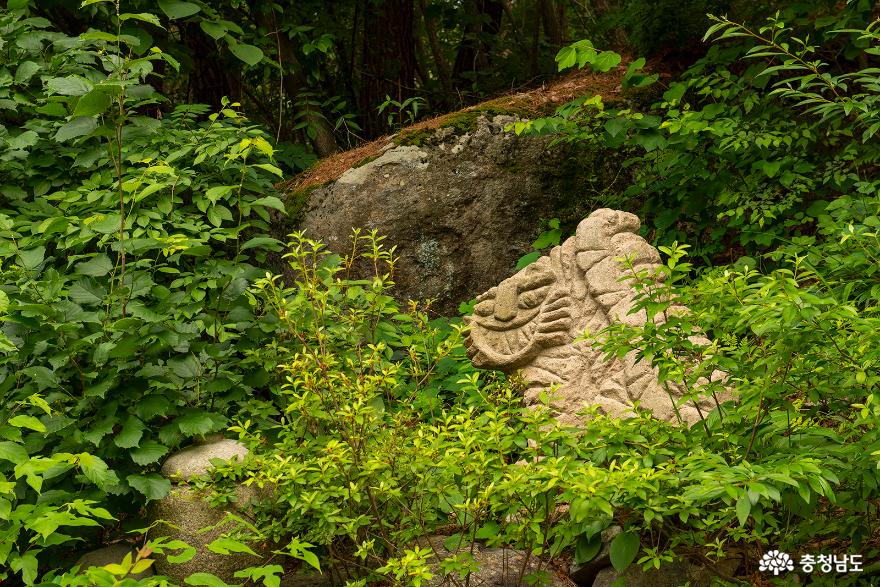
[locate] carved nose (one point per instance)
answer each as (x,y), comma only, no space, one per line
(505,301)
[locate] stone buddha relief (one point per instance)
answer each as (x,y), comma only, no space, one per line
(532,322)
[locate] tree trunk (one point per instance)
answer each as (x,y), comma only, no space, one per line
(388,59)
(320,132)
(619,35)
(554,24)
(475,48)
(440,64)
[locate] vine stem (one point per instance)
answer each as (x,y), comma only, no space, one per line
(117,163)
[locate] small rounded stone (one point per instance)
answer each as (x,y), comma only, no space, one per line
(195,460)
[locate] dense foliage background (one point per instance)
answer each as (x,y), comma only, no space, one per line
(139,147)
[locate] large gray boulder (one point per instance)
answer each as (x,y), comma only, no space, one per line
(461,206)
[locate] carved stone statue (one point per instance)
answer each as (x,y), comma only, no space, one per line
(531,322)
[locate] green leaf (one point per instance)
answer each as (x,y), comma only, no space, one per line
(549,238)
(99,389)
(99,36)
(650,140)
(143,17)
(32,258)
(267,573)
(44,377)
(153,485)
(586,549)
(616,126)
(566,57)
(97,471)
(199,423)
(487,531)
(148,452)
(24,140)
(215,30)
(186,368)
(76,127)
(675,92)
(455,542)
(247,53)
(17,4)
(269,202)
(743,508)
(94,103)
(528,259)
(25,421)
(224,545)
(175,9)
(13,452)
(100,430)
(770,168)
(97,266)
(262,241)
(605,61)
(26,71)
(26,564)
(86,291)
(69,86)
(270,168)
(219,191)
(151,406)
(53,109)
(205,580)
(131,433)
(623,550)
(54,224)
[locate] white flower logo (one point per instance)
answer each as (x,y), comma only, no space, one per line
(775,561)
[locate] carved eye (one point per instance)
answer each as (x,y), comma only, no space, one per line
(530,299)
(485,308)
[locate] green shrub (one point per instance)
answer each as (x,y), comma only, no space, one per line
(729,160)
(128,242)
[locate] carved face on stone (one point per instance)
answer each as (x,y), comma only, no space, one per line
(525,313)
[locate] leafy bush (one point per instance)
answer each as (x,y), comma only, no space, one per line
(389,436)
(729,162)
(363,466)
(127,246)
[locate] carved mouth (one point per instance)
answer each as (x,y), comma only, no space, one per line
(507,341)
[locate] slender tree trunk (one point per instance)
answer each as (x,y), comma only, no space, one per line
(554,27)
(475,48)
(420,61)
(604,7)
(534,65)
(320,131)
(388,59)
(440,64)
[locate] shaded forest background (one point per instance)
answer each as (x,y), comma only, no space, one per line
(318,73)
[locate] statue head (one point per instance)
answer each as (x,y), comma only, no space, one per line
(532,321)
(523,314)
